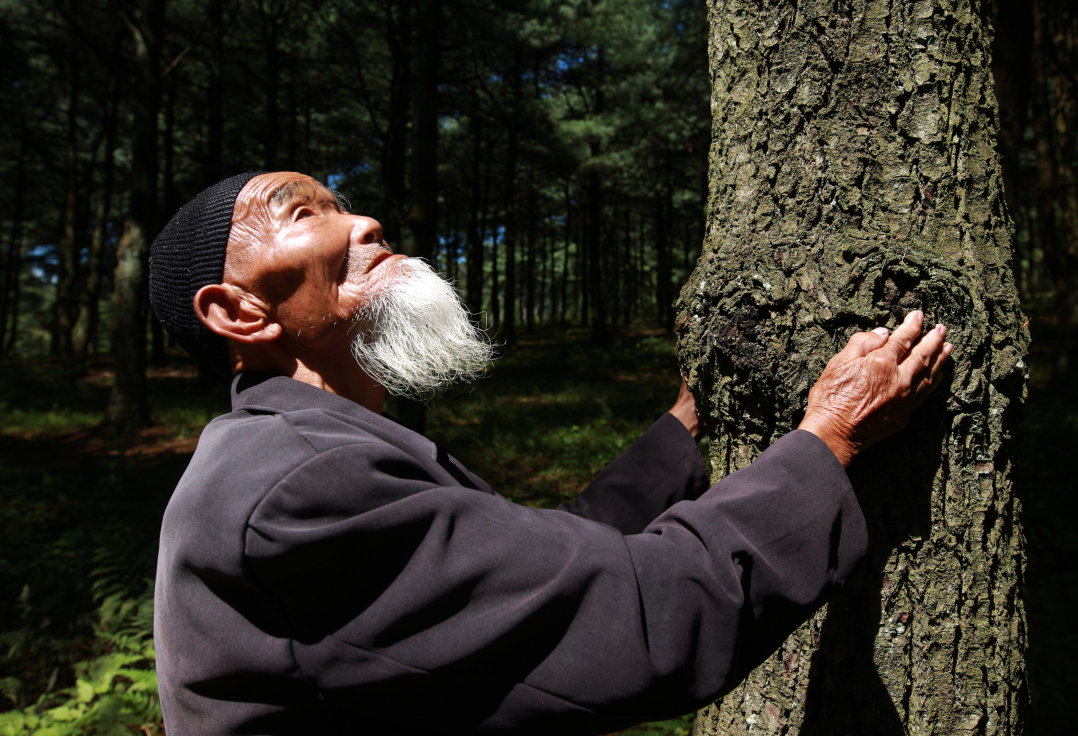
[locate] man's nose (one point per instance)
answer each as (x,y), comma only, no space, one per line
(366,231)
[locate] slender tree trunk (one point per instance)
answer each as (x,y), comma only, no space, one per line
(547,292)
(215,116)
(565,263)
(474,247)
(274,24)
(509,306)
(1045,149)
(168,176)
(854,177)
(86,324)
(394,152)
(128,403)
(599,330)
(583,266)
(9,307)
(1055,116)
(529,264)
(423,170)
(663,268)
(68,250)
(492,317)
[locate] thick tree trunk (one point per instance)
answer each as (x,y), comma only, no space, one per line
(854,177)
(128,404)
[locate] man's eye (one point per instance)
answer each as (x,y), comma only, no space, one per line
(303,212)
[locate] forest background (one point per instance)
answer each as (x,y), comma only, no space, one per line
(548,157)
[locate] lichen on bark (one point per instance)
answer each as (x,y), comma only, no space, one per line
(854,177)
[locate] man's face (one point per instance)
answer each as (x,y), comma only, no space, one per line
(314,264)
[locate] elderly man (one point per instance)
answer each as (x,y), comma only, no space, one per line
(325,570)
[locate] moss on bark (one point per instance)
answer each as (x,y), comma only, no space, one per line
(854,177)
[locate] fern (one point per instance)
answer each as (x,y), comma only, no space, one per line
(115,692)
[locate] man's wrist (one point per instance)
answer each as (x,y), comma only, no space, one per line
(837,441)
(688,417)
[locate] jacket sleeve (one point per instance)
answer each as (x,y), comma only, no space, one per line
(499,618)
(661,468)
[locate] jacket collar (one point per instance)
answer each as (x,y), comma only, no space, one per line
(268,393)
(274,394)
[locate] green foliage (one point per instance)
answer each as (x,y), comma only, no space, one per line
(555,411)
(115,690)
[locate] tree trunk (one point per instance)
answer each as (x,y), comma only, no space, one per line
(86,324)
(509,305)
(423,168)
(128,404)
(529,261)
(663,261)
(399,38)
(473,253)
(9,307)
(215,115)
(854,177)
(68,255)
(565,255)
(1055,116)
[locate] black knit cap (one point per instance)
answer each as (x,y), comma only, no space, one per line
(187,255)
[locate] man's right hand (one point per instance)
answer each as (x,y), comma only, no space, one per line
(870,389)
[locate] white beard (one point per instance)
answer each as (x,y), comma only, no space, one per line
(414,337)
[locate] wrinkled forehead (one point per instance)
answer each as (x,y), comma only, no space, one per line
(267,193)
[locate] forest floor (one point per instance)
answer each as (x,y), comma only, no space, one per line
(80,510)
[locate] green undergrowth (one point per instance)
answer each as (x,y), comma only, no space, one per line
(80,509)
(553,412)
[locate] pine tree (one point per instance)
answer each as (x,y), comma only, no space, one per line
(854,178)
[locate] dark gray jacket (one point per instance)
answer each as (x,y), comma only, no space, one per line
(325,571)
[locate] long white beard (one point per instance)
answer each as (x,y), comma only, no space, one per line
(414,337)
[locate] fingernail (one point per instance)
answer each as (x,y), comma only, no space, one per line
(941,329)
(917,314)
(947,348)
(882,331)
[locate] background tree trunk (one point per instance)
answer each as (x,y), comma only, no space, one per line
(128,403)
(68,247)
(854,177)
(423,164)
(9,305)
(86,325)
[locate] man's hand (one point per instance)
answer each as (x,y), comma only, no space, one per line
(870,389)
(685,411)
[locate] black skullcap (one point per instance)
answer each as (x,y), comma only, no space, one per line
(187,255)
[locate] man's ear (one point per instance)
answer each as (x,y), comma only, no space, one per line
(235,314)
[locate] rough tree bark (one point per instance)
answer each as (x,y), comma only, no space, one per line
(855,177)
